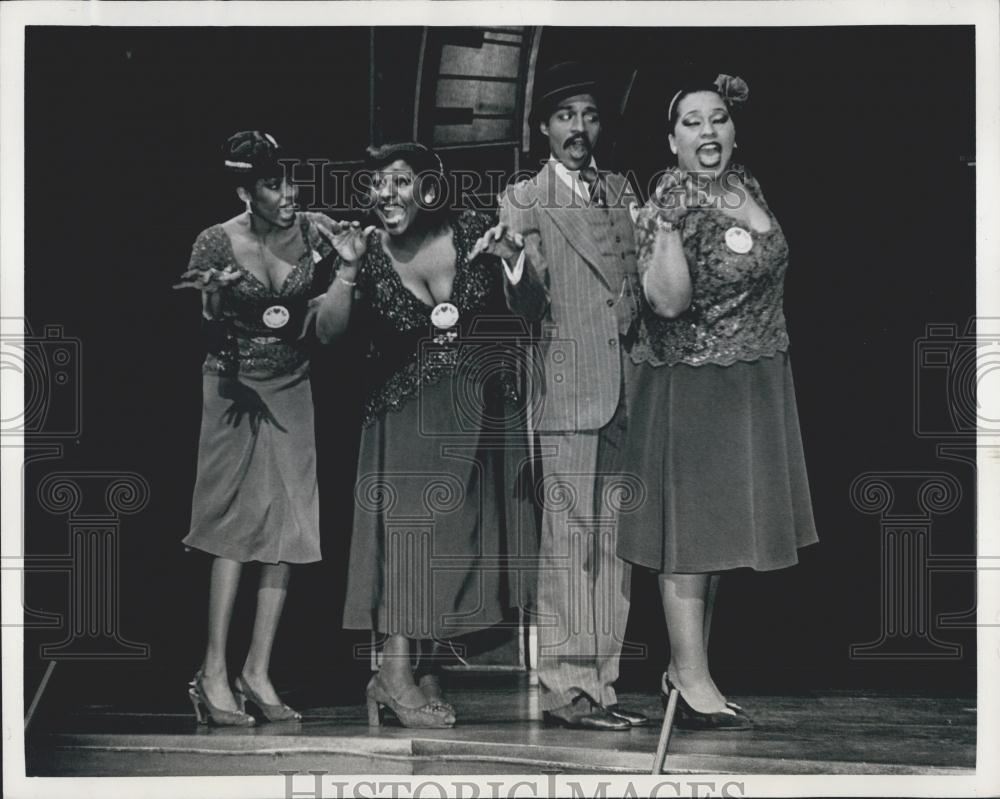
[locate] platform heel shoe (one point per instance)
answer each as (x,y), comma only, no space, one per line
(687,718)
(380,700)
(218,716)
(429,683)
(278,712)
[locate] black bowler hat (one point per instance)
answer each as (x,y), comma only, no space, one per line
(251,152)
(563,80)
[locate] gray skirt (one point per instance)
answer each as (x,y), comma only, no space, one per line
(719,451)
(443,539)
(255,498)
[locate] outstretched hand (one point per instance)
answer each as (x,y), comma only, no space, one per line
(349,239)
(499,241)
(209,280)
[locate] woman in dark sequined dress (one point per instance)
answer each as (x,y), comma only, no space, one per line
(255,499)
(713,427)
(435,513)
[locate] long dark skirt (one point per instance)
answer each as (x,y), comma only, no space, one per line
(444,536)
(719,451)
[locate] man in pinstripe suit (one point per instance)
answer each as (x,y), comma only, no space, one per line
(568,234)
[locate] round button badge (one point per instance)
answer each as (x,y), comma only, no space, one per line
(276,316)
(444,316)
(739,240)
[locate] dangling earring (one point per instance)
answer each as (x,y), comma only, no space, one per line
(735,145)
(249,209)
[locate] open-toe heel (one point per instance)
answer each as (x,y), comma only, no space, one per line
(429,684)
(223,718)
(278,712)
(427,715)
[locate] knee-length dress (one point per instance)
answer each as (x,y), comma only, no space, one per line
(713,428)
(255,497)
(444,535)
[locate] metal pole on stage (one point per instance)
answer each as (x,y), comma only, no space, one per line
(667,728)
(38,694)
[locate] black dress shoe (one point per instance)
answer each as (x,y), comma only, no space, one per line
(633,717)
(598,720)
(733,718)
(585,714)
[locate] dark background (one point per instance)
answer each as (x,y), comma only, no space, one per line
(862,138)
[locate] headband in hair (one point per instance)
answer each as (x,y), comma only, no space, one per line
(251,151)
(734,92)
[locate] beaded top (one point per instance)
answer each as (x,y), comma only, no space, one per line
(407,351)
(736,311)
(252,349)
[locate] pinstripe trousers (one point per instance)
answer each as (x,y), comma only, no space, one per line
(583,587)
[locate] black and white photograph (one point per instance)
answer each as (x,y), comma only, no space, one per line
(488,400)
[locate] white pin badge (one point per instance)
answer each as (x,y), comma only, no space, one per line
(316,257)
(444,316)
(739,240)
(276,316)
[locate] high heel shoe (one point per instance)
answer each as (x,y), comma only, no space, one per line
(430,685)
(733,718)
(731,705)
(426,715)
(278,712)
(223,718)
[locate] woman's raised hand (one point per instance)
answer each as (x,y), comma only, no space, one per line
(349,239)
(674,196)
(209,280)
(499,241)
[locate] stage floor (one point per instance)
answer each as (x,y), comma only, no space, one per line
(500,732)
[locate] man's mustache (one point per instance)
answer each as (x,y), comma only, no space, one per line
(579,137)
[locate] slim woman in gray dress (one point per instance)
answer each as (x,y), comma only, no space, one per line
(255,499)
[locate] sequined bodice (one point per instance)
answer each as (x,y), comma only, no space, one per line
(736,311)
(252,349)
(406,349)
(399,308)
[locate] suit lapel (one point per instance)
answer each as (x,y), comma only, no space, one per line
(570,215)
